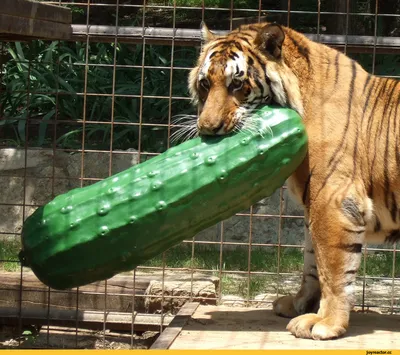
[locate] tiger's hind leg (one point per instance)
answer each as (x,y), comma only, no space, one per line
(307,299)
(338,230)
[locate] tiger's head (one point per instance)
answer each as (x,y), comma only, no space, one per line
(236,73)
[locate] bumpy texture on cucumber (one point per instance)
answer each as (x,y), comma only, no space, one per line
(95,232)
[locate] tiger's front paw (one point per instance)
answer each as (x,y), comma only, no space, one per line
(311,326)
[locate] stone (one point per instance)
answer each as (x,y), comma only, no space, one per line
(232,301)
(159,293)
(48,175)
(264,229)
(264,300)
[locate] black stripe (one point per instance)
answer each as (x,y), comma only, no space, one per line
(233,55)
(383,83)
(368,97)
(244,39)
(367,101)
(397,151)
(216,45)
(333,169)
(239,46)
(253,73)
(311,251)
(337,67)
(369,77)
(349,106)
(328,67)
(346,127)
(351,272)
(267,79)
(380,84)
(306,186)
(393,237)
(396,133)
(260,86)
(351,248)
(250,61)
(369,127)
(370,191)
(304,51)
(377,227)
(256,56)
(355,152)
(214,54)
(386,156)
(393,210)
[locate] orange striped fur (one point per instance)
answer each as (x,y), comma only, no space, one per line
(349,184)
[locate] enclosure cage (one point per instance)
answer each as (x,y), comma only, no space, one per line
(112,95)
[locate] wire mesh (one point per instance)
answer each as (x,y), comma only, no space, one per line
(83,110)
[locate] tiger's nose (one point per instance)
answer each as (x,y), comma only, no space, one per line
(210,130)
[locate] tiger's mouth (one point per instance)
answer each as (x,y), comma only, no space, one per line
(240,119)
(214,131)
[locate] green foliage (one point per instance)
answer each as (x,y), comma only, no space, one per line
(44,81)
(250,4)
(262,259)
(9,249)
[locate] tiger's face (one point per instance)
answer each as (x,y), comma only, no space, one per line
(231,77)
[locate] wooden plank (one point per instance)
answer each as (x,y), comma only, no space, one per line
(84,319)
(218,327)
(37,29)
(117,284)
(120,291)
(36,10)
(168,336)
(22,26)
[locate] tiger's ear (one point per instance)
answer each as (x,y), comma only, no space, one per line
(206,34)
(270,40)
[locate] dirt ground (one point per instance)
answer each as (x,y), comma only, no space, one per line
(70,338)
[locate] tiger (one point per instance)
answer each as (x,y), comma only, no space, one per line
(349,180)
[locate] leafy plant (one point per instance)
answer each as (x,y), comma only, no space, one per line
(46,81)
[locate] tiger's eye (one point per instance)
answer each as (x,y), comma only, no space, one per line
(237,84)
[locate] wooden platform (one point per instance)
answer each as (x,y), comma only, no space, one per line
(217,327)
(22,20)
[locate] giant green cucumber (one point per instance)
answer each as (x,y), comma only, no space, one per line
(95,232)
